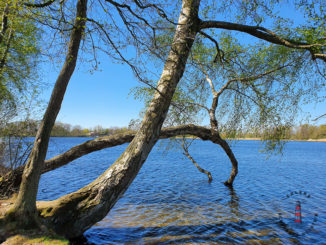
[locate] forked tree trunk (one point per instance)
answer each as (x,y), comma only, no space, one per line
(74,213)
(222,142)
(25,205)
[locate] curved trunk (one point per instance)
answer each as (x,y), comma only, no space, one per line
(74,213)
(25,205)
(234,170)
(222,142)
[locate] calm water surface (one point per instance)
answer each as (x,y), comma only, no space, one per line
(170,202)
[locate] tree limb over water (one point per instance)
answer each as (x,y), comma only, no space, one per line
(10,182)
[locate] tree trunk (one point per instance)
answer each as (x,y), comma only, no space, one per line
(216,132)
(234,170)
(227,150)
(74,213)
(25,205)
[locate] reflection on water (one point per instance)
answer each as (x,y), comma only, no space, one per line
(170,202)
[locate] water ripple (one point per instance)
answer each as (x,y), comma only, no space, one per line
(170,202)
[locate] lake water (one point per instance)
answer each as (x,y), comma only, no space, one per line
(171,202)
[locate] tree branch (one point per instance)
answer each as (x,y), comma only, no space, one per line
(134,69)
(159,10)
(39,5)
(218,50)
(248,79)
(265,34)
(186,153)
(321,116)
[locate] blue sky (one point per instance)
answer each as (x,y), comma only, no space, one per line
(103,98)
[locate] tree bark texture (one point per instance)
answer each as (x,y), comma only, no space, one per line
(74,213)
(25,205)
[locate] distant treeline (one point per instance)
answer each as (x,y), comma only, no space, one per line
(29,128)
(66,130)
(302,132)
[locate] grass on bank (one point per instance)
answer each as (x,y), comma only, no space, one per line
(35,239)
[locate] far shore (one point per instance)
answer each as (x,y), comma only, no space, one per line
(308,140)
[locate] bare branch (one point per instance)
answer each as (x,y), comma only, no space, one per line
(219,52)
(118,6)
(159,10)
(186,153)
(317,118)
(134,69)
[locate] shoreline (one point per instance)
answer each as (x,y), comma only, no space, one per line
(308,140)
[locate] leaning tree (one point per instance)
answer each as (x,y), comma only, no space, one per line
(243,74)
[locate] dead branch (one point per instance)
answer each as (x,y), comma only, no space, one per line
(185,147)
